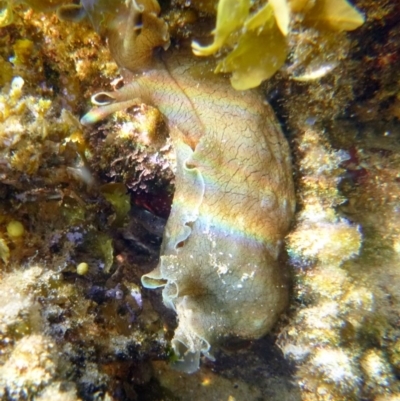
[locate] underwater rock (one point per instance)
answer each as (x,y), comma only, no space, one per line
(31,366)
(233,203)
(207,385)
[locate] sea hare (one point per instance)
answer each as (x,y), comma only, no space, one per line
(232,207)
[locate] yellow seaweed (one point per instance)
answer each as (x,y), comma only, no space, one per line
(259,54)
(282,14)
(262,18)
(297,6)
(337,14)
(230,16)
(256,58)
(260,46)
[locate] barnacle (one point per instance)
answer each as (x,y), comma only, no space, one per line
(260,39)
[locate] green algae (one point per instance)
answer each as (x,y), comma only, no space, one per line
(116,194)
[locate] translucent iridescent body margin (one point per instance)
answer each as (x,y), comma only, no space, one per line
(232,207)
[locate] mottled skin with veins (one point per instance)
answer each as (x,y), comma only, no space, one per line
(233,204)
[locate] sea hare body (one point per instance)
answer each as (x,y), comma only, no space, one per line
(233,204)
(232,207)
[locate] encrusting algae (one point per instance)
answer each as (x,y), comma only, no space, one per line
(92,200)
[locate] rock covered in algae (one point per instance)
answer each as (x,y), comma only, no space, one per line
(343,333)
(31,366)
(325,240)
(343,342)
(49,184)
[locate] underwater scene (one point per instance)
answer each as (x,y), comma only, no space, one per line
(199,200)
